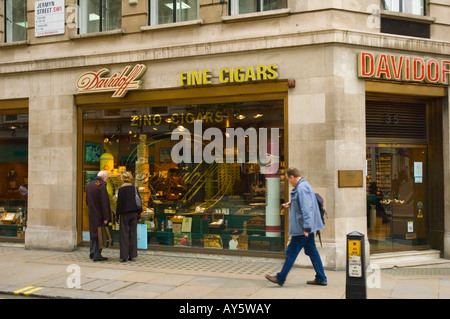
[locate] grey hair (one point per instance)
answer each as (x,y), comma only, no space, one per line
(103,174)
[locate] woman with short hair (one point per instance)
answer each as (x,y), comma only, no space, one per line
(128,212)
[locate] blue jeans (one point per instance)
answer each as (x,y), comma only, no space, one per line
(293,249)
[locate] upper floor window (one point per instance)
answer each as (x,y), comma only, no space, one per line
(405,6)
(248,6)
(169,11)
(99,15)
(15,20)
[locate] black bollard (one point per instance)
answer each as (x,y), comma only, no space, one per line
(355,287)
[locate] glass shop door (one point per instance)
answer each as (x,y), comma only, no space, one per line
(396,197)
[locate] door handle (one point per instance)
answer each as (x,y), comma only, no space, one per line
(419,210)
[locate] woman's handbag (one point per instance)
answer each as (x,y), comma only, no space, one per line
(137,198)
(105,237)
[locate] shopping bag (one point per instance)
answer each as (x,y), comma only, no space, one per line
(142,236)
(105,237)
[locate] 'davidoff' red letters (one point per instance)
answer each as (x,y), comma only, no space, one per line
(403,68)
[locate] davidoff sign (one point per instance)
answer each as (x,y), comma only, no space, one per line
(403,68)
(119,83)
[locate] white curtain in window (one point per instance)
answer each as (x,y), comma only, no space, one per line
(413,7)
(89,16)
(405,6)
(169,11)
(248,6)
(15,20)
(99,15)
(392,5)
(112,15)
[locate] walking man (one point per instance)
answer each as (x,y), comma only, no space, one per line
(99,211)
(304,220)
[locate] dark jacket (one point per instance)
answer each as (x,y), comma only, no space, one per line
(126,202)
(99,208)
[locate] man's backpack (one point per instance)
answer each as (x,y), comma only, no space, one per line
(322,214)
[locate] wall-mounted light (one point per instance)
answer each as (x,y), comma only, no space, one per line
(291,83)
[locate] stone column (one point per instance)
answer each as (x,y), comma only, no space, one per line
(327,134)
(51,167)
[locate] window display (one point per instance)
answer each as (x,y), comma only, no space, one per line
(209,175)
(13,173)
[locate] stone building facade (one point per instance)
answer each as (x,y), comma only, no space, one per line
(334,60)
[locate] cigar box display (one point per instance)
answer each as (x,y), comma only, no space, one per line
(217,221)
(8,218)
(212,241)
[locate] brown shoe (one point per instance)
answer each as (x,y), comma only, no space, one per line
(316,283)
(273,279)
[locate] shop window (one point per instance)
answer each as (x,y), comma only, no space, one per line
(249,6)
(170,11)
(405,6)
(15,20)
(13,173)
(203,171)
(100,15)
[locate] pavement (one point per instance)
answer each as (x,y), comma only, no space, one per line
(188,277)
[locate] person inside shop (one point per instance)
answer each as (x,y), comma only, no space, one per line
(99,212)
(304,220)
(373,199)
(128,214)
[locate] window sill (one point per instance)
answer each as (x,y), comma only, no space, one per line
(15,43)
(256,15)
(96,34)
(172,25)
(407,16)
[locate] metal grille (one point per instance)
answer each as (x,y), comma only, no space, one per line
(396,120)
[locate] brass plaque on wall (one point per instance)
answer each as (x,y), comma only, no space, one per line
(350,178)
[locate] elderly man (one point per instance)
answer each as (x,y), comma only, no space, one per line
(304,220)
(99,211)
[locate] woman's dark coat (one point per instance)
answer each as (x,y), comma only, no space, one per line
(126,202)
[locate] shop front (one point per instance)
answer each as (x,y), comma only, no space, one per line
(208,160)
(13,168)
(208,146)
(405,154)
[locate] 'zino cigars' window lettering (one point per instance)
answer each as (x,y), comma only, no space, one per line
(177,118)
(209,175)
